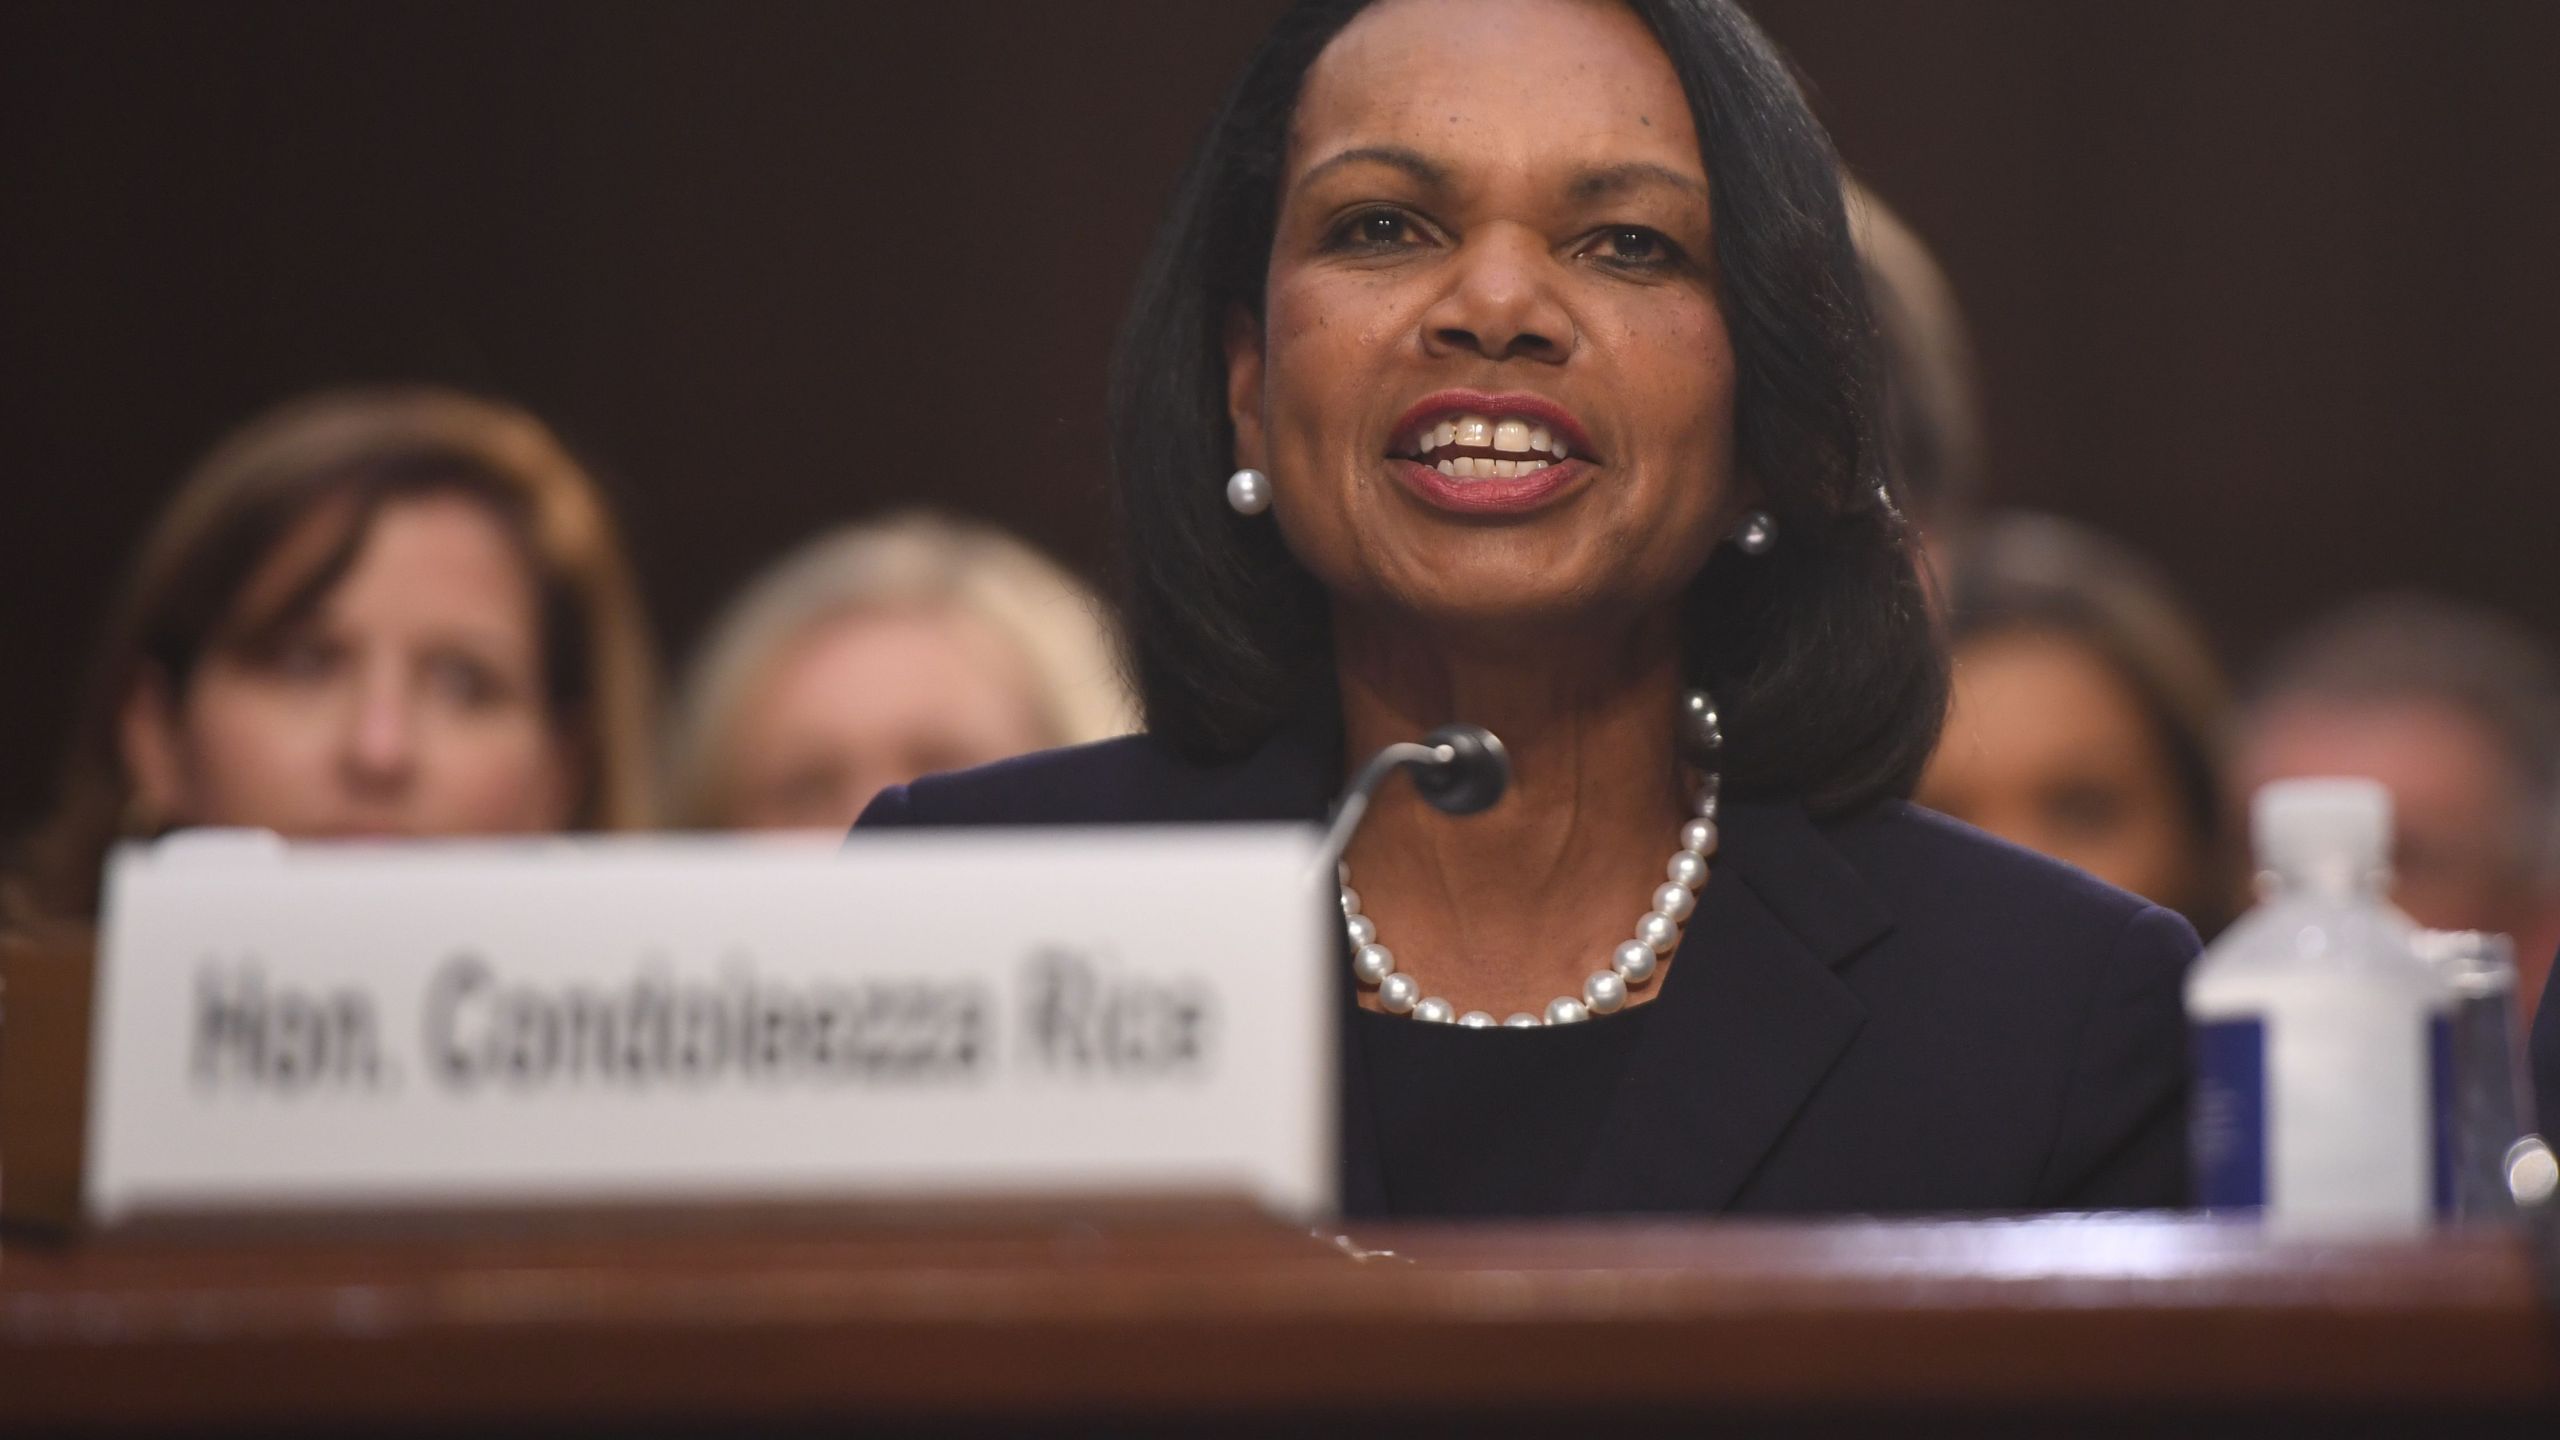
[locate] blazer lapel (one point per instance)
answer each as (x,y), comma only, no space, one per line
(1749,1021)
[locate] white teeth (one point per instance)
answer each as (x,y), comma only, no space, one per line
(1483,432)
(1469,467)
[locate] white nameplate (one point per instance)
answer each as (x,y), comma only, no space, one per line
(922,1013)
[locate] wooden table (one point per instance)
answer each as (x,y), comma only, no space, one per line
(2113,1323)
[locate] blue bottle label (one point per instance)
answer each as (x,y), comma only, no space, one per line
(2227,1127)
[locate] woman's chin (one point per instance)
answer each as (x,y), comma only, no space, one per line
(1508,611)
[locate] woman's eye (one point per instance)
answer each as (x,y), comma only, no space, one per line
(466,682)
(1375,230)
(303,657)
(1631,245)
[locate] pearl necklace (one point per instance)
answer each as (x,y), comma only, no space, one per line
(1634,962)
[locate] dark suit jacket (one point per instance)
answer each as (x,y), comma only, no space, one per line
(1891,1012)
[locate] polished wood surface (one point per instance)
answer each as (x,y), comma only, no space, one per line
(47,981)
(671,1323)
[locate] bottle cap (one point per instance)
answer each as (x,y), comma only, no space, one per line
(2327,824)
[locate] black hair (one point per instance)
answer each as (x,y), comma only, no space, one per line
(1822,653)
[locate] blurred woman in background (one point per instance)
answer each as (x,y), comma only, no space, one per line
(391,612)
(2088,715)
(881,653)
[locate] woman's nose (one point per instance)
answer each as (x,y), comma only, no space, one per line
(1501,301)
(379,754)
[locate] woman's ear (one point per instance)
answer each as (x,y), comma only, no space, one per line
(1244,387)
(149,742)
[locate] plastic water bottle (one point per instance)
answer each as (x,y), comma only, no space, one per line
(2322,1042)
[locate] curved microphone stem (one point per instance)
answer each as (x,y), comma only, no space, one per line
(1460,769)
(1353,807)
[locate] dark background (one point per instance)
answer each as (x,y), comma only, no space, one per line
(2265,286)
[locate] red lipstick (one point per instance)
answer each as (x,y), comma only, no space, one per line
(1511,405)
(1505,495)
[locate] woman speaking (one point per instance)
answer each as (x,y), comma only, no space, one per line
(1506,361)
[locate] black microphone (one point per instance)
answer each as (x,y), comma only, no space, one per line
(1460,769)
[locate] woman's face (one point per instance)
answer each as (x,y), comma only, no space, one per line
(870,700)
(2047,747)
(1491,381)
(409,702)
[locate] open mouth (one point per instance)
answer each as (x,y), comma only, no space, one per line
(1490,435)
(1490,453)
(1469,446)
(1483,447)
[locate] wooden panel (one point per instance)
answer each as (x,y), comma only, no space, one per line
(47,983)
(1165,1319)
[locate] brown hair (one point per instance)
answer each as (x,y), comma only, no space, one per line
(345,454)
(2015,571)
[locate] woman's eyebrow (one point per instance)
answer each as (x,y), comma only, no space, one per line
(1596,183)
(1607,180)
(1426,172)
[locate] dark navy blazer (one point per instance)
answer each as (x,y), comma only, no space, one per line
(1891,1012)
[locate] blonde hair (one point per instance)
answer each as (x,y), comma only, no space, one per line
(912,561)
(355,449)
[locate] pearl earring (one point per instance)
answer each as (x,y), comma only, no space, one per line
(1248,492)
(1757,532)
